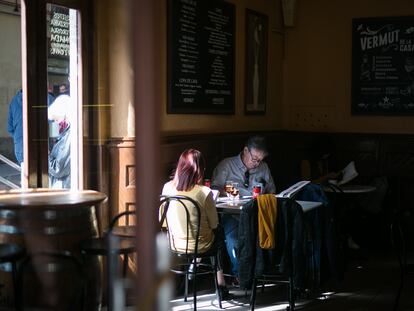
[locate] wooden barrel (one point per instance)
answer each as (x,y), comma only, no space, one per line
(58,224)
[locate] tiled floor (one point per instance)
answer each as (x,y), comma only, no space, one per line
(371,283)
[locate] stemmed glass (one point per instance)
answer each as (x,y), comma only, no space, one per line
(228,187)
(232,190)
(235,192)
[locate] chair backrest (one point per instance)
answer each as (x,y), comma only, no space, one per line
(288,227)
(334,188)
(52,280)
(288,254)
(188,210)
(402,235)
(115,220)
(294,225)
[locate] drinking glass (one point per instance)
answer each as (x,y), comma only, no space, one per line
(228,187)
(235,192)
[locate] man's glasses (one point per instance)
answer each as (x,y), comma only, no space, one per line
(246,179)
(253,159)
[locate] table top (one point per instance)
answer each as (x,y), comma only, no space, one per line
(228,203)
(46,198)
(351,189)
(228,206)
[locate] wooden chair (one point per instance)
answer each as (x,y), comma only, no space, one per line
(190,265)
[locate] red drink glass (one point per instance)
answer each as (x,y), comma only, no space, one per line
(256,191)
(207,183)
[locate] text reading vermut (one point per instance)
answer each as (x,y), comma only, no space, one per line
(374,41)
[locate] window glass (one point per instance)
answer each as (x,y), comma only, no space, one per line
(64,113)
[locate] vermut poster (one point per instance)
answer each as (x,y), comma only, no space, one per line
(383,66)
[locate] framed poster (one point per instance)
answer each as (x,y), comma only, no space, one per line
(256,62)
(201,36)
(383,66)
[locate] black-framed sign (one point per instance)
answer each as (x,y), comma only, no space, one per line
(383,66)
(201,36)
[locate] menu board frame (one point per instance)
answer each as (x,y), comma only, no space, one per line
(383,66)
(200,57)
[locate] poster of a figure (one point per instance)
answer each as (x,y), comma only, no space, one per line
(256,62)
(383,66)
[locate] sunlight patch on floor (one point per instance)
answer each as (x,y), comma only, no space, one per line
(206,302)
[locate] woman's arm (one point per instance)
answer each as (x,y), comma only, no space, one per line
(211,211)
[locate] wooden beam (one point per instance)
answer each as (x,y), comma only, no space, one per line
(147,59)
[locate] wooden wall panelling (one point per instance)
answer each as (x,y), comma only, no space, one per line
(374,154)
(96,173)
(398,155)
(122,177)
(397,163)
(122,181)
(172,151)
(390,155)
(362,149)
(214,148)
(286,151)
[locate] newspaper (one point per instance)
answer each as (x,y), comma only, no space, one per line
(215,194)
(348,173)
(292,190)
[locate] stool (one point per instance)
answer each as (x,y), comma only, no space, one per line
(12,253)
(52,280)
(101,247)
(126,245)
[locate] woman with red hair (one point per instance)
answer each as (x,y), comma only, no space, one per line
(188,181)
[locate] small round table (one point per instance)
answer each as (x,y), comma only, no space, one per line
(43,220)
(349,196)
(350,189)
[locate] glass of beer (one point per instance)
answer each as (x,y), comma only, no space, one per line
(235,192)
(228,188)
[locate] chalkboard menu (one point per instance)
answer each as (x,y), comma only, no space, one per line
(383,66)
(201,56)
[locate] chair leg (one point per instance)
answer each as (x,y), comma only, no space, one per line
(398,295)
(185,287)
(15,286)
(291,295)
(398,242)
(253,295)
(214,260)
(125,266)
(195,286)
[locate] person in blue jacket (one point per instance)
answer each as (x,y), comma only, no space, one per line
(15,125)
(15,122)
